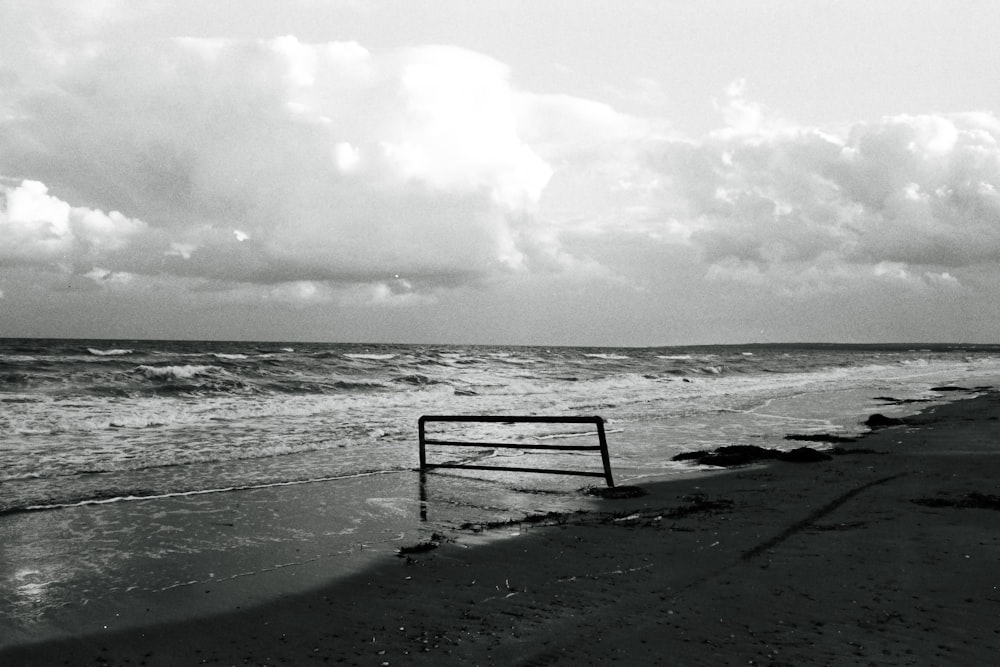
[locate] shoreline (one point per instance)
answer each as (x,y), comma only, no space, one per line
(875,556)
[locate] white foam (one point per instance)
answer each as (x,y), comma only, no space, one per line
(178,372)
(109,353)
(202,492)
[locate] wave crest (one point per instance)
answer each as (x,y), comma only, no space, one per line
(174,372)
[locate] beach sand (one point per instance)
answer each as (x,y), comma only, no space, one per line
(829,563)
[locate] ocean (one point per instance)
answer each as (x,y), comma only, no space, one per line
(153,430)
(85,421)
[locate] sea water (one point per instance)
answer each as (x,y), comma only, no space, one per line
(164,429)
(86,421)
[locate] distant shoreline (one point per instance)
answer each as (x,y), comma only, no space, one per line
(805,345)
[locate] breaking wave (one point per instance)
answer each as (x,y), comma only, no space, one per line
(175,372)
(114,352)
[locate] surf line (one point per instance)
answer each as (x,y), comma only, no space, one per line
(200,492)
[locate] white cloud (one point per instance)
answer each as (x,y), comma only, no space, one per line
(346,156)
(459,129)
(908,197)
(390,293)
(38,228)
(340,164)
(742,117)
(346,166)
(183,250)
(106,278)
(300,294)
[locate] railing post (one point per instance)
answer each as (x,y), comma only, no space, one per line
(605,458)
(423,445)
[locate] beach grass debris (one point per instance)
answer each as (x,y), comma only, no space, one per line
(537,491)
(615,492)
(418,548)
(552,518)
(421,547)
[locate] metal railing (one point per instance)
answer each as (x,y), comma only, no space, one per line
(505,419)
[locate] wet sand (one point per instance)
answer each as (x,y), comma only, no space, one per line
(885,555)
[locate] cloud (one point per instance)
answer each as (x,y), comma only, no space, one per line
(901,202)
(39,229)
(742,117)
(301,294)
(105,278)
(303,173)
(872,200)
(330,162)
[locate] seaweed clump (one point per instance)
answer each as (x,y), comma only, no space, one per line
(877,421)
(421,547)
(615,492)
(738,455)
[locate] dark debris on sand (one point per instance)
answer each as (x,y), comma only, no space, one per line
(545,518)
(737,455)
(819,437)
(889,400)
(421,547)
(615,492)
(972,500)
(699,502)
(844,451)
(877,421)
(695,503)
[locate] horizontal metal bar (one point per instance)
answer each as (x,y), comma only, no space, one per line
(569,419)
(513,469)
(511,445)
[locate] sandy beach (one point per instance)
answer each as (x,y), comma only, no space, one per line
(886,554)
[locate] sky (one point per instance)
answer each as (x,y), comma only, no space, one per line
(554,172)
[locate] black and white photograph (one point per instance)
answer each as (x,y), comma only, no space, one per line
(499,332)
